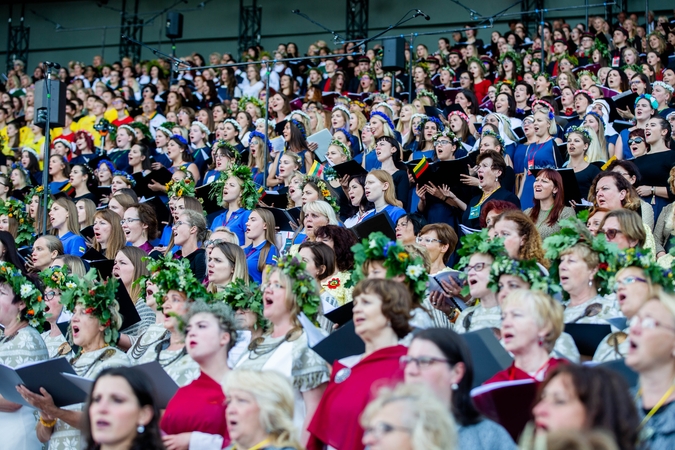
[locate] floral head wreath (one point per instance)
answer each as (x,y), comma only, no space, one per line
(144,129)
(385,105)
(513,56)
(27,291)
(571,58)
(22,169)
(38,191)
(583,92)
(56,278)
(544,104)
(249,192)
(425,119)
(478,243)
(300,127)
(430,94)
(181,188)
(527,270)
(124,175)
(424,66)
(447,69)
(450,135)
(644,259)
(344,109)
(509,83)
(259,135)
(166,128)
(579,130)
(170,274)
(494,135)
(325,192)
(473,59)
(634,67)
(202,127)
(396,260)
(234,123)
(342,146)
(303,285)
(464,117)
(587,73)
(222,143)
(573,231)
(65,142)
(180,139)
(302,114)
(602,48)
(652,101)
(239,295)
(128,128)
(664,85)
(384,117)
(97,298)
(246,99)
(16,210)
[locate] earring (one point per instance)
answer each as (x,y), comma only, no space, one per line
(590,283)
(454,386)
(140,429)
(541,341)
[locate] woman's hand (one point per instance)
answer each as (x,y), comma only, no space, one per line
(177,441)
(43,403)
(625,113)
(451,287)
(421,192)
(156,166)
(29,265)
(472,170)
(469,180)
(435,191)
(441,302)
(644,191)
(155,186)
(312,146)
(344,182)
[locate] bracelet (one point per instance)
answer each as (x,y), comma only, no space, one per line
(653,190)
(46,424)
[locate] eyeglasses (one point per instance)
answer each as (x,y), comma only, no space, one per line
(382,429)
(179,223)
(637,140)
(611,232)
(129,220)
(628,280)
(423,240)
(442,142)
(422,362)
(50,295)
(272,286)
(648,323)
(210,242)
(478,267)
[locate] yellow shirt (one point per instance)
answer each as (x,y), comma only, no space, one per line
(110,114)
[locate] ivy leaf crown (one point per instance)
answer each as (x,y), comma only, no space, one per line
(181,188)
(239,295)
(29,293)
(325,192)
(15,209)
(97,298)
(249,191)
(573,231)
(527,270)
(303,285)
(395,259)
(479,243)
(170,274)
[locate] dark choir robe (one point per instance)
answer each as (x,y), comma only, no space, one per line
(336,421)
(513,373)
(199,406)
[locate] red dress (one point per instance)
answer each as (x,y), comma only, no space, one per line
(336,421)
(481,90)
(514,373)
(199,406)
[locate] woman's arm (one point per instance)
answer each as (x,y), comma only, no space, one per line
(311,399)
(192,168)
(272,179)
(309,160)
(7,406)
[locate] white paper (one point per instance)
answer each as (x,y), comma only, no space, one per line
(322,139)
(475,392)
(278,143)
(314,335)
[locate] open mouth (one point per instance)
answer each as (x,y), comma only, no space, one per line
(76,330)
(102,424)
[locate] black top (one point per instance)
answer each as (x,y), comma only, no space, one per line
(402,185)
(198,263)
(655,167)
(585,179)
(499,194)
(88,195)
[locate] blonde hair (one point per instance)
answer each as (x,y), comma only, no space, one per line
(390,193)
(595,152)
(323,208)
(274,396)
(667,299)
(429,421)
(548,312)
(71,223)
(552,126)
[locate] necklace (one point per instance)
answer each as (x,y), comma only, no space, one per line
(83,370)
(8,338)
(163,346)
(139,349)
(487,195)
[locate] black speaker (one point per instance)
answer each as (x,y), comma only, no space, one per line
(58,103)
(393,57)
(174,25)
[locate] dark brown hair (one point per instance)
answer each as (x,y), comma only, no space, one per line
(445,234)
(396,302)
(343,240)
(323,256)
(558,198)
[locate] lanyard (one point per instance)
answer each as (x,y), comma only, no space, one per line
(542,370)
(656,407)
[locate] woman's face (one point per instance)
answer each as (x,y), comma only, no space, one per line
(86,327)
(182,230)
(632,290)
(337,119)
(231,190)
(175,304)
(502,104)
(652,337)
(544,188)
(77,177)
(652,59)
(435,248)
(376,127)
(274,299)
(102,229)
(255,226)
(575,145)
(309,194)
(521,331)
(117,184)
(643,109)
(593,223)
(565,66)
(508,284)
(135,231)
(136,156)
(585,81)
(53,306)
(487,175)
(541,125)
(559,408)
(335,155)
(243,416)
(614,234)
(608,195)
(581,104)
(567,98)
(431,371)
(220,269)
(105,175)
(56,165)
(4,223)
(355,193)
(369,321)
(637,145)
(614,79)
(123,269)
(312,222)
(123,139)
(508,230)
(575,274)
(478,274)
(114,206)
(58,216)
(374,188)
(115,412)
